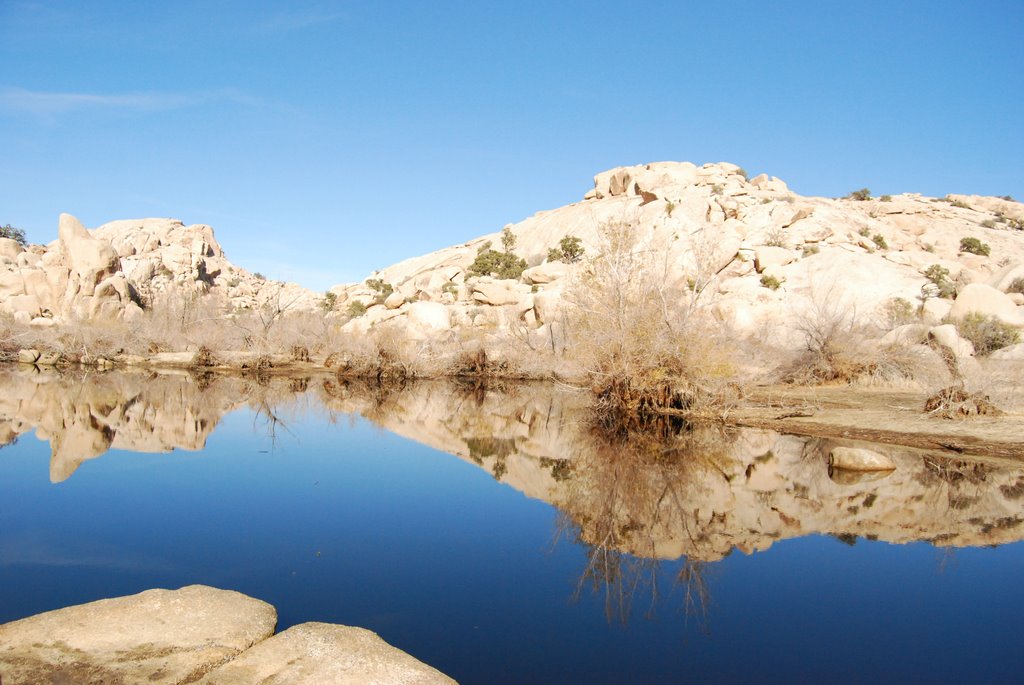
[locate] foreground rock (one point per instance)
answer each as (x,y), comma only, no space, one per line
(325,653)
(157,636)
(195,634)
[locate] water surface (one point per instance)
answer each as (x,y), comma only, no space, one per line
(497,537)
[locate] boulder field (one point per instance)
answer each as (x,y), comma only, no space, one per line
(763,260)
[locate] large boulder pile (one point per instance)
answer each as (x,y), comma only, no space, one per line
(767,259)
(123,267)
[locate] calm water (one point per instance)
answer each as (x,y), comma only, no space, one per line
(494,537)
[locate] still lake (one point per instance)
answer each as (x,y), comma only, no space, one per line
(497,537)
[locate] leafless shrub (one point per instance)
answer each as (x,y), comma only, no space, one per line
(643,342)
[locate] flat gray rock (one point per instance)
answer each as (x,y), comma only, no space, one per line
(325,653)
(156,636)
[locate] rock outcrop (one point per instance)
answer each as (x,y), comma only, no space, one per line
(116,270)
(713,226)
(157,636)
(196,634)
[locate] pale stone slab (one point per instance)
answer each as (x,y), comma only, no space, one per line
(325,653)
(156,636)
(859,459)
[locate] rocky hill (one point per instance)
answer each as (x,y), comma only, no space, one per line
(762,257)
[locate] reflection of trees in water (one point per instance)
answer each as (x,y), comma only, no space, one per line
(630,497)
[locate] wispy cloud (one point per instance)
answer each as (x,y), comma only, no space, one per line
(297,19)
(41,103)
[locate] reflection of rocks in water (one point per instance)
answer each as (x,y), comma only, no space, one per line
(84,415)
(667,493)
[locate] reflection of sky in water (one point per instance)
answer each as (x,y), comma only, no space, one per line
(349,524)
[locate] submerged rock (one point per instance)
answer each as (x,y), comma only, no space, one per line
(859,459)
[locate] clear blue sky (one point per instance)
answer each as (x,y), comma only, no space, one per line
(323,140)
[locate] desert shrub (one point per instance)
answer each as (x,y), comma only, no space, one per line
(501,264)
(504,264)
(898,312)
(939,276)
(743,172)
(810,248)
(987,333)
(1008,198)
(355,309)
(450,289)
(770,282)
(1015,224)
(381,289)
(958,203)
(508,239)
(775,237)
(12,233)
(569,250)
(1017,286)
(834,349)
(643,343)
(329,302)
(861,195)
(864,231)
(258,276)
(974,246)
(879,241)
(886,198)
(669,208)
(988,223)
(717,189)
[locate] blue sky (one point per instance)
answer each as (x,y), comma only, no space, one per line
(323,140)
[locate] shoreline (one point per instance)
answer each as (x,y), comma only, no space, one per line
(873,414)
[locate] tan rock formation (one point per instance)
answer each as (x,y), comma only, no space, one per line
(325,653)
(157,636)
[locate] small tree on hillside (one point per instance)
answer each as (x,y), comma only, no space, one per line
(15,234)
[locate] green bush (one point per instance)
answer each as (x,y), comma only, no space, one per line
(329,302)
(15,234)
(502,264)
(569,250)
(886,198)
(974,246)
(355,309)
(988,333)
(508,239)
(879,240)
(939,275)
(862,194)
(988,223)
(770,282)
(898,312)
(958,203)
(381,288)
(1017,286)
